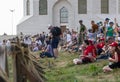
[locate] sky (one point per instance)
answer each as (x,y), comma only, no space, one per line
(7,21)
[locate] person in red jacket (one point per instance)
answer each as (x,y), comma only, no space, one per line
(114,59)
(87,54)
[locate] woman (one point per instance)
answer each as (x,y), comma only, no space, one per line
(114,59)
(87,54)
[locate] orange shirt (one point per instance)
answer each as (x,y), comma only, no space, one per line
(94,27)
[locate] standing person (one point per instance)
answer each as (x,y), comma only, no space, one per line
(55,33)
(114,59)
(94,26)
(106,23)
(83,32)
(105,26)
(110,30)
(94,29)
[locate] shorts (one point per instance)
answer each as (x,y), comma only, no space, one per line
(55,41)
(115,65)
(86,60)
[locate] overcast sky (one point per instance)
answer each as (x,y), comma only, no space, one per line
(6,15)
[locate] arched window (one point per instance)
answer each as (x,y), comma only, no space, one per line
(28,7)
(104,6)
(63,15)
(42,7)
(82,6)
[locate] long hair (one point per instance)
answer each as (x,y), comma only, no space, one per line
(117,50)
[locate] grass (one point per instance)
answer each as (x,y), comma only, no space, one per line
(62,69)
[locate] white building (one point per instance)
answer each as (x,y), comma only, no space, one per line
(38,14)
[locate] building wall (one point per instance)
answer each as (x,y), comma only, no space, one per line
(36,23)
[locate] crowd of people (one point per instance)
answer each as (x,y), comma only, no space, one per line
(101,41)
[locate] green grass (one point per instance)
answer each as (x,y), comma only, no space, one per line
(63,70)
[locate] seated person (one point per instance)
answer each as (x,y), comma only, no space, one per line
(114,59)
(48,51)
(87,54)
(100,45)
(105,54)
(35,48)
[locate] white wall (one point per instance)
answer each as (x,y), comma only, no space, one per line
(35,23)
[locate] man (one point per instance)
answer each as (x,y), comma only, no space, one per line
(55,33)
(94,29)
(94,26)
(82,32)
(110,30)
(106,23)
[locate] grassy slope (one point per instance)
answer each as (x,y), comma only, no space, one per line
(63,70)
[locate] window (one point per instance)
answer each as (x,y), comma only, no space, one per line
(104,6)
(28,7)
(42,7)
(82,6)
(63,15)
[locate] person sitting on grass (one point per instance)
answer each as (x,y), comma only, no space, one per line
(48,51)
(87,54)
(105,50)
(114,59)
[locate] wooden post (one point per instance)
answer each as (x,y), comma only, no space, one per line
(6,62)
(14,68)
(21,77)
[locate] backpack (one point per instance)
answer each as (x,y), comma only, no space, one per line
(56,31)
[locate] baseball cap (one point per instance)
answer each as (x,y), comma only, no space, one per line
(114,44)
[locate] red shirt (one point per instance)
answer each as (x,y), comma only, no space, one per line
(100,45)
(87,50)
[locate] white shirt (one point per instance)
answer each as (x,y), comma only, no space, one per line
(69,38)
(38,42)
(27,41)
